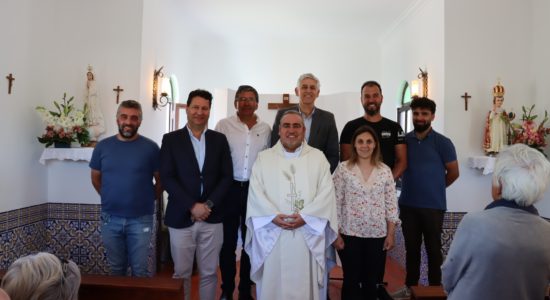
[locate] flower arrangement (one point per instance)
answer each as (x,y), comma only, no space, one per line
(65,125)
(528,132)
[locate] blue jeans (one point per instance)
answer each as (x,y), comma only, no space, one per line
(126,242)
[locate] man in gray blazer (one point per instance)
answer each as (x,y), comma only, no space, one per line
(321,132)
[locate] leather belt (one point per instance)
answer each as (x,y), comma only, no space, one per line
(241,183)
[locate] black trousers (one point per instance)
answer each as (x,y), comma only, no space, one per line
(361,260)
(234,217)
(418,223)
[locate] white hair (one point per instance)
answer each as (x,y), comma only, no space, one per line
(42,276)
(523,173)
(310,76)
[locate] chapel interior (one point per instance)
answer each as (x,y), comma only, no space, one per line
(465,47)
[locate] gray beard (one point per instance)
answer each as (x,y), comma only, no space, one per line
(127,134)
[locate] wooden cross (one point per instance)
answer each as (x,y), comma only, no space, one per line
(10,79)
(286,103)
(117,90)
(466,97)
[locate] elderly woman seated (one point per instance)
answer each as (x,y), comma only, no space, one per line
(503,252)
(42,276)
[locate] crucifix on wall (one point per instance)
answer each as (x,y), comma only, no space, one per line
(466,98)
(118,90)
(10,79)
(286,103)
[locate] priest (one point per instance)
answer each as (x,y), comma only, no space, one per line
(291,215)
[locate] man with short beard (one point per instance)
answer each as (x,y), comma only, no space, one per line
(123,168)
(390,133)
(432,167)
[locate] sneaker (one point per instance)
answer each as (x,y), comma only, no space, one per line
(403,293)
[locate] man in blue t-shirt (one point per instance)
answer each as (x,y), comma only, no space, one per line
(123,167)
(432,167)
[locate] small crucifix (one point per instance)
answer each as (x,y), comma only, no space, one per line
(10,78)
(118,90)
(466,98)
(286,103)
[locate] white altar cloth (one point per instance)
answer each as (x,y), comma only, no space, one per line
(487,163)
(74,154)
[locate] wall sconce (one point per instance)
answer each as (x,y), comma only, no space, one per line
(415,88)
(422,81)
(423,76)
(165,92)
(157,74)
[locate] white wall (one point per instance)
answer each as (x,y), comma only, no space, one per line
(474,59)
(540,61)
(415,42)
(22,180)
(164,43)
(223,58)
(466,46)
(202,56)
(48,45)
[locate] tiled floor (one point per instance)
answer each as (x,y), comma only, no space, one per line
(395,277)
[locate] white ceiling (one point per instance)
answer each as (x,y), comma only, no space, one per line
(299,18)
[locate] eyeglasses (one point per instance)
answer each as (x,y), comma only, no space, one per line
(246,100)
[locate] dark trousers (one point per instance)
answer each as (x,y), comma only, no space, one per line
(418,223)
(361,260)
(234,216)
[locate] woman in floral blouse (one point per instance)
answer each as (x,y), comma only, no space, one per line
(366,204)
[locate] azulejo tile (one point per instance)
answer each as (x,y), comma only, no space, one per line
(450,223)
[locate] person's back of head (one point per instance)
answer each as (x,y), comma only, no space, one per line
(522,173)
(3,295)
(42,276)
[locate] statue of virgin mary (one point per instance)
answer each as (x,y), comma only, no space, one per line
(96,123)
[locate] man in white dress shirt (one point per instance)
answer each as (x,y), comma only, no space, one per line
(247,136)
(291,217)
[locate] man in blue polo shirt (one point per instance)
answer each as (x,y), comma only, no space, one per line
(123,168)
(432,166)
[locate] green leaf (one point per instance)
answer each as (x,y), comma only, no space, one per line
(57,105)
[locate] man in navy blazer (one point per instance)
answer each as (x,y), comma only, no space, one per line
(321,132)
(195,163)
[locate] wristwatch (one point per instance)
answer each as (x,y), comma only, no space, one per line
(209,203)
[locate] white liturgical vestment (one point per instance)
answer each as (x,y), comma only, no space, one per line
(290,264)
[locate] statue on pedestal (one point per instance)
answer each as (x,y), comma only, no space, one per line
(497,125)
(96,123)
